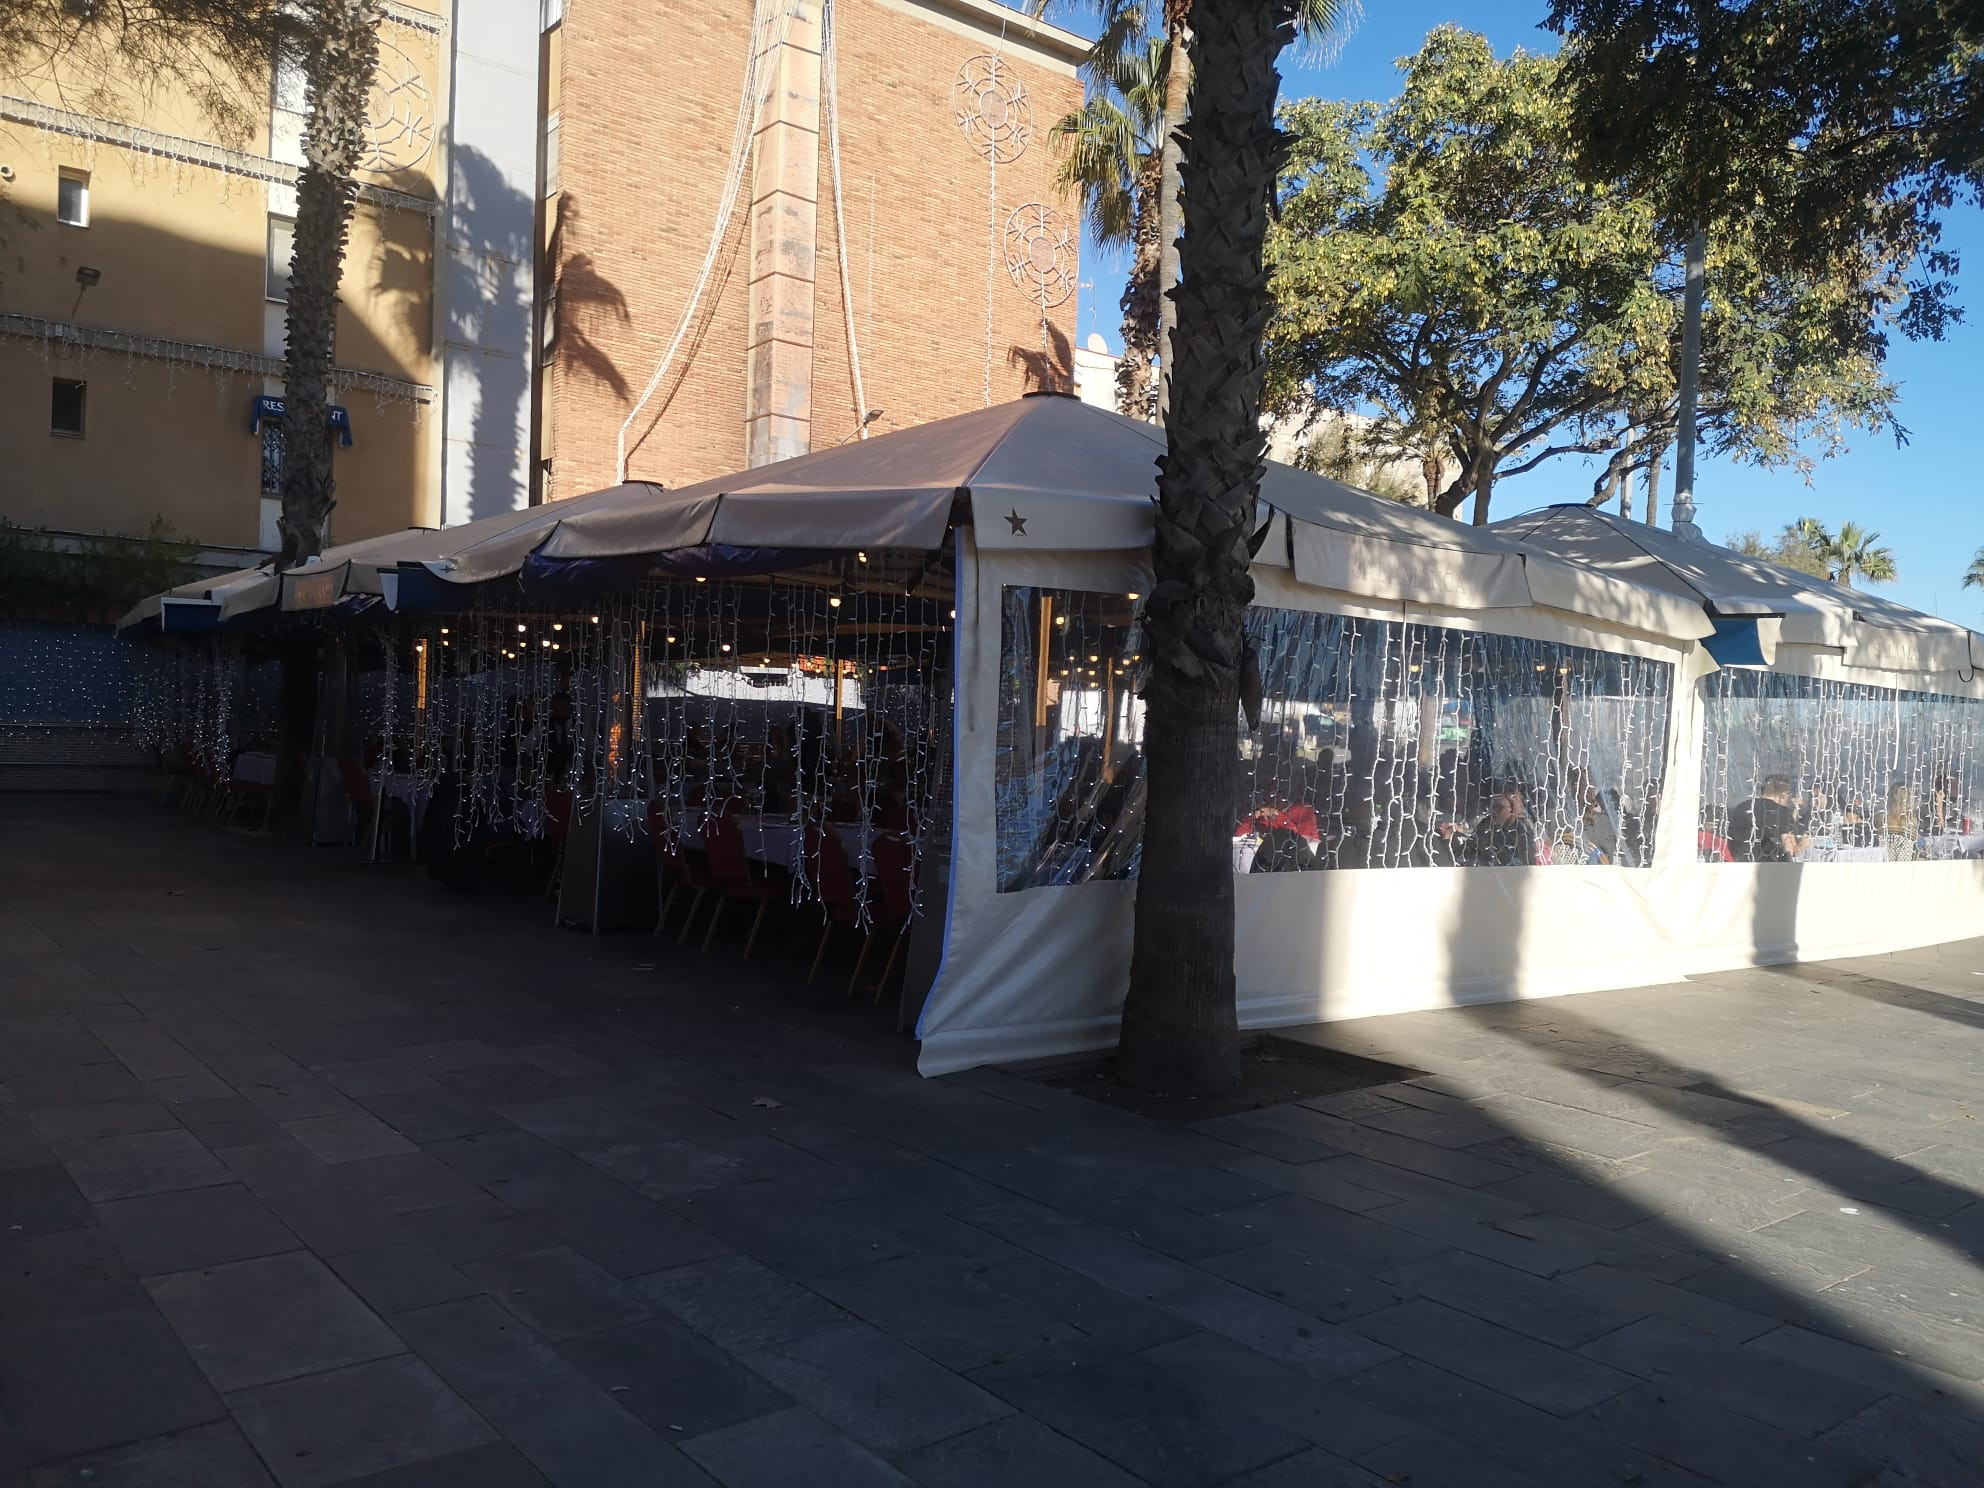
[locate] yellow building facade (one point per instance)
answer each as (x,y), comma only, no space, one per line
(142,317)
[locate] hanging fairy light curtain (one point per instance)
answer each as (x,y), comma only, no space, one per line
(190,705)
(1382,745)
(804,710)
(1862,773)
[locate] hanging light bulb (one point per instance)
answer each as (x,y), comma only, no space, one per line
(725,648)
(833,601)
(701,580)
(862,557)
(595,619)
(520,627)
(1134,595)
(671,640)
(557,624)
(444,630)
(546,644)
(1093,657)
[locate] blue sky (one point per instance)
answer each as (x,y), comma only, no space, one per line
(1924,499)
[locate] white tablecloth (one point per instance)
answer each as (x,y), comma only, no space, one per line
(1875,854)
(412,789)
(255,769)
(1953,845)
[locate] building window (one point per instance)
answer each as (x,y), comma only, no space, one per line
(72,198)
(272,452)
(67,401)
(288,91)
(547,326)
(282,242)
(552,164)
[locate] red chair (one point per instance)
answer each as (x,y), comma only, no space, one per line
(732,870)
(895,876)
(834,883)
(557,827)
(676,871)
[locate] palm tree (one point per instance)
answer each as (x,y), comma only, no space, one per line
(1113,159)
(1852,552)
(1180,1024)
(1973,576)
(338,43)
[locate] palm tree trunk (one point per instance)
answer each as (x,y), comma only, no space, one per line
(1653,464)
(1180,1025)
(1170,210)
(1141,305)
(340,48)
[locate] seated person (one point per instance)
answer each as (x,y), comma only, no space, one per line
(1278,815)
(1503,838)
(1284,850)
(1764,829)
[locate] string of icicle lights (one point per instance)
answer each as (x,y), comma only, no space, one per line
(1871,773)
(1382,745)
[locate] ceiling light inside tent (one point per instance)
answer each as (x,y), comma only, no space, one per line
(520,628)
(700,579)
(557,624)
(1135,595)
(725,648)
(1060,619)
(833,601)
(444,630)
(1093,657)
(546,644)
(671,640)
(595,619)
(862,557)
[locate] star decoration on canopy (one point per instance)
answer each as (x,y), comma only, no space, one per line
(1017,523)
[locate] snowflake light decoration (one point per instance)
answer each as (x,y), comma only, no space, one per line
(400,113)
(992,108)
(1041,254)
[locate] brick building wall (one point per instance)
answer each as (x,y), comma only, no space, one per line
(647,98)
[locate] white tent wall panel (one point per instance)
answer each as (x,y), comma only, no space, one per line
(1042,973)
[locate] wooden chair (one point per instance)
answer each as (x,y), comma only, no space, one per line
(676,870)
(735,878)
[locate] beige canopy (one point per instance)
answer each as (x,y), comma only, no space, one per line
(1792,607)
(1046,473)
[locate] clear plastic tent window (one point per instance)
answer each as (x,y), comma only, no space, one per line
(1815,770)
(1382,745)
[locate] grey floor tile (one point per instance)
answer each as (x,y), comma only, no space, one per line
(575,1434)
(62,1276)
(328,1428)
(193,1227)
(1629,1291)
(740,1304)
(1545,1376)
(100,1382)
(41,1199)
(1930,1442)
(1142,1418)
(793,1446)
(1096,1310)
(257,1321)
(1219,1369)
(559,1292)
(102,1119)
(939,1310)
(1312,1469)
(215,1456)
(798,1240)
(1693,1431)
(673,1380)
(397,1278)
(1315,1286)
(1544,1310)
(880,1392)
(477,1346)
(1741,1379)
(496,1465)
(74,1085)
(1013,1450)
(435,1115)
(127,1167)
(346,1136)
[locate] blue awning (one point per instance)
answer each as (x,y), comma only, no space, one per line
(1736,643)
(270,407)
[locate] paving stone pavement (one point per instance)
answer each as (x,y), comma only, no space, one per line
(312,1174)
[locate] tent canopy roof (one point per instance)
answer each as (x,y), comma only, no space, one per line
(1804,610)
(1043,473)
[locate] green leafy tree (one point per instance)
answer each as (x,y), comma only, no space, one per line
(1441,262)
(1788,549)
(1973,576)
(1852,552)
(1180,1022)
(1823,128)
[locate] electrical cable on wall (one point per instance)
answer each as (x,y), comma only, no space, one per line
(774,15)
(827,57)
